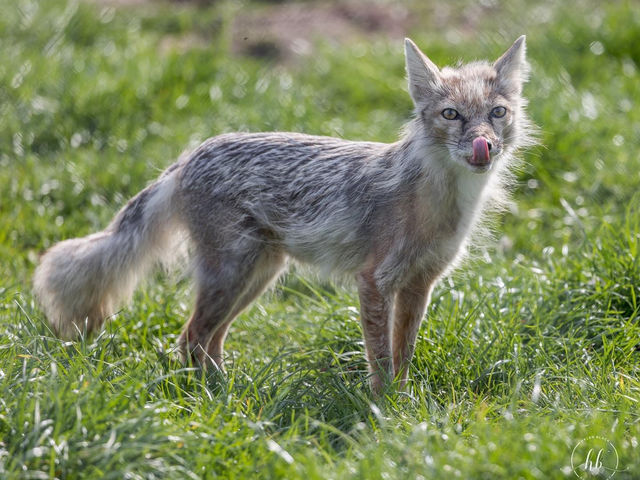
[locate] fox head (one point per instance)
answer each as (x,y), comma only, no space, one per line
(473,112)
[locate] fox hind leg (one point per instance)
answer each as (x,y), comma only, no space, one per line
(222,276)
(267,269)
(216,294)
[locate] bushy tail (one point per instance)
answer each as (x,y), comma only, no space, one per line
(81,281)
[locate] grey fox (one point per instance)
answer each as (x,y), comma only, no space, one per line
(396,216)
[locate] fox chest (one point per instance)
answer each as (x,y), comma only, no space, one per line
(438,228)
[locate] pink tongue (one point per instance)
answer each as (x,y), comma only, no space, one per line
(480,151)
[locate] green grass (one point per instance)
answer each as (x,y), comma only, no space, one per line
(531,347)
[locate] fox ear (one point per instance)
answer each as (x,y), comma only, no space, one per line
(422,73)
(512,66)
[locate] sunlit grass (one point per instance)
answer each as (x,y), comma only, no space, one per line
(530,348)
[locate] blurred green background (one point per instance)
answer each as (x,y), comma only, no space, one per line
(530,347)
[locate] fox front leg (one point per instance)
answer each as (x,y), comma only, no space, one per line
(375,316)
(411,303)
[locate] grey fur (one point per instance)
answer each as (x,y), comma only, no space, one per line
(395,215)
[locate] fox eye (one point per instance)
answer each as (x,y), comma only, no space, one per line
(450,114)
(498,112)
